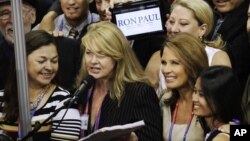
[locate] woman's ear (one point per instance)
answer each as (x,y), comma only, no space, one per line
(203,30)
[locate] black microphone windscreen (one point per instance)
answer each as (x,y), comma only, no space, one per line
(89,81)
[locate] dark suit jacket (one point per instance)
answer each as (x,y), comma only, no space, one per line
(6,57)
(234,33)
(139,103)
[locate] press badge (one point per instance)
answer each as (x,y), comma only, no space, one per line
(84,121)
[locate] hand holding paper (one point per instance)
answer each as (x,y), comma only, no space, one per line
(115,132)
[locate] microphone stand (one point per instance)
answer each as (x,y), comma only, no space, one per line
(38,125)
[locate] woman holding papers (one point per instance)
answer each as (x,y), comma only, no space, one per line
(121,93)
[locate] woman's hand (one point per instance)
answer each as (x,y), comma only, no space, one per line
(47,22)
(56,33)
(226,127)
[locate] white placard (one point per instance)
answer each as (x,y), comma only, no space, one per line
(138,22)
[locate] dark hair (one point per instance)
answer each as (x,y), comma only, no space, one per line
(222,91)
(34,40)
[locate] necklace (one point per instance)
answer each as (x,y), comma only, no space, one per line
(174,119)
(34,105)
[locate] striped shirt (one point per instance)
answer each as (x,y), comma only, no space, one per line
(64,126)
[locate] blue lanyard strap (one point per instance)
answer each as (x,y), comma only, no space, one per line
(172,124)
(97,121)
(86,111)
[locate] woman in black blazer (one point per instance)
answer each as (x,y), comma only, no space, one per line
(121,93)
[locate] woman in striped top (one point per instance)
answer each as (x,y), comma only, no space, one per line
(44,94)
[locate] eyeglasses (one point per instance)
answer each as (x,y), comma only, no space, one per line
(6,14)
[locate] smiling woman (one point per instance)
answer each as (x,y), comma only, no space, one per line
(210,103)
(194,17)
(182,59)
(44,94)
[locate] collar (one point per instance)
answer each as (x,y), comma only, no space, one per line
(65,26)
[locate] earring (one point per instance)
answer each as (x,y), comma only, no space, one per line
(196,121)
(201,38)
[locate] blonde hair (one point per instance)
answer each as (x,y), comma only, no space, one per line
(191,53)
(203,13)
(109,39)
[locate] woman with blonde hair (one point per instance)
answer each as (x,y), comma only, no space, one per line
(194,17)
(183,58)
(121,88)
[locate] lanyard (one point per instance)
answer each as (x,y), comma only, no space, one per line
(174,119)
(97,121)
(86,111)
(90,91)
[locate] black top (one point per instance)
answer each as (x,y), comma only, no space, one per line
(234,33)
(6,57)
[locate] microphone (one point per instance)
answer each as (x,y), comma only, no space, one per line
(87,83)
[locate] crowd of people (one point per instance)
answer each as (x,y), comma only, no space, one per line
(181,83)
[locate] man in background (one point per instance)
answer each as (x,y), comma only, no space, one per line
(230,19)
(74,18)
(6,29)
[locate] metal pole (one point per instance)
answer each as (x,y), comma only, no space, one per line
(21,67)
